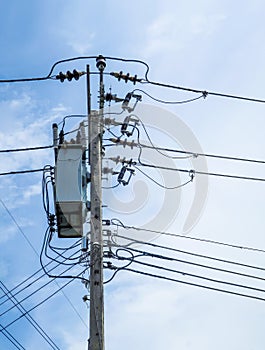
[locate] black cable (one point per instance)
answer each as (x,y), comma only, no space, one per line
(37,290)
(46,168)
(184,273)
(187,237)
(169,102)
(37,305)
(31,320)
(30,283)
(196,154)
(22,172)
(238,177)
(117,269)
(204,92)
(25,149)
(188,253)
(49,75)
(71,116)
(17,225)
(160,185)
(195,284)
(111,187)
(163,257)
(12,339)
(44,248)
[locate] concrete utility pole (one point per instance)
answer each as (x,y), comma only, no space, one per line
(96,341)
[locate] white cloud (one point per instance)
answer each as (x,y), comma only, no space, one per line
(32,190)
(170,32)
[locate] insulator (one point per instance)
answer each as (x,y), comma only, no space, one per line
(61,76)
(126,77)
(69,75)
(101,62)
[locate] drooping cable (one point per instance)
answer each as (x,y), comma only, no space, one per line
(170,102)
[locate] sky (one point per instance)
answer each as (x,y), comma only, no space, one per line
(213,46)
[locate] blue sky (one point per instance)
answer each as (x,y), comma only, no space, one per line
(209,45)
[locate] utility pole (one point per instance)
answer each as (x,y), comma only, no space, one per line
(96,340)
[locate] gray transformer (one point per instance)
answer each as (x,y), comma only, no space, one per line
(70,190)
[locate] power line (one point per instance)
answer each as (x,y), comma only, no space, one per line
(187,253)
(184,273)
(194,284)
(198,172)
(241,247)
(197,154)
(25,149)
(161,185)
(31,320)
(30,284)
(12,339)
(22,172)
(163,257)
(205,93)
(34,292)
(50,76)
(169,102)
(37,305)
(26,238)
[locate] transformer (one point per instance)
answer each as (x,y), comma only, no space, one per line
(71,180)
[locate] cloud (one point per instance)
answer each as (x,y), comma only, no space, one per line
(168,32)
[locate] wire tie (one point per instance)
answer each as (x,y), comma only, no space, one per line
(192,174)
(205,94)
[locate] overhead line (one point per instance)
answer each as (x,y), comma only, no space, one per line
(184,273)
(22,172)
(193,284)
(185,252)
(204,92)
(31,320)
(198,154)
(204,240)
(25,149)
(198,172)
(40,303)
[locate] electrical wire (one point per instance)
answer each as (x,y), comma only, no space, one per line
(169,102)
(32,247)
(37,305)
(12,339)
(17,225)
(163,257)
(111,187)
(31,320)
(241,247)
(205,93)
(198,172)
(196,154)
(160,185)
(35,291)
(50,76)
(25,149)
(194,284)
(187,253)
(31,283)
(185,273)
(21,172)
